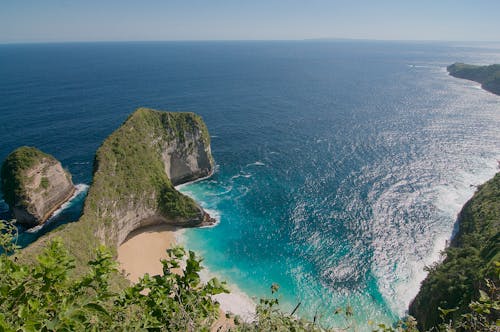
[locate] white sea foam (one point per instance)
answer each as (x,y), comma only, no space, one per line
(214,214)
(452,196)
(179,236)
(421,66)
(257,163)
(241,175)
(236,302)
(400,274)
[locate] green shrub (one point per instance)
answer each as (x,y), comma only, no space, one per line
(46,296)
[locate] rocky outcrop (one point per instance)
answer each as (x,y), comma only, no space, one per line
(135,171)
(487,76)
(34,185)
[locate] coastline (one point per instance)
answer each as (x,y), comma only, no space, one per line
(143,249)
(237,301)
(180,186)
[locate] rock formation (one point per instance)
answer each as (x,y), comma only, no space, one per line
(34,185)
(135,171)
(488,76)
(132,187)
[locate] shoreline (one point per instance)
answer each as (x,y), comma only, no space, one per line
(236,302)
(179,186)
(143,249)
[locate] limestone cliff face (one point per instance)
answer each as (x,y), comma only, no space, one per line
(135,171)
(34,185)
(187,158)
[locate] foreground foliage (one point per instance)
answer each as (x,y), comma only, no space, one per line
(44,296)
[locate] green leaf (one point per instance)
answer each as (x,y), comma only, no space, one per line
(483,297)
(97,308)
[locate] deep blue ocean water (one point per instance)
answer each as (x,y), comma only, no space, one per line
(341,165)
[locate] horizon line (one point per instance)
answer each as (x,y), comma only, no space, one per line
(247,40)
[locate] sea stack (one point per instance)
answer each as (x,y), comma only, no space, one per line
(34,185)
(136,169)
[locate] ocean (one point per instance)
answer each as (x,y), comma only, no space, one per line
(341,165)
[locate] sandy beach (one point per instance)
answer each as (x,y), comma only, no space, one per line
(144,248)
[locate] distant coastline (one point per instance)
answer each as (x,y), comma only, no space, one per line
(487,76)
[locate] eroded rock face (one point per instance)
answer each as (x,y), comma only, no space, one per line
(187,160)
(136,169)
(34,185)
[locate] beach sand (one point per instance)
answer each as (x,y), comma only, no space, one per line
(141,253)
(144,248)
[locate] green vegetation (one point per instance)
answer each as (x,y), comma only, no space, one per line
(13,172)
(45,296)
(129,176)
(44,183)
(488,76)
(44,287)
(470,260)
(129,172)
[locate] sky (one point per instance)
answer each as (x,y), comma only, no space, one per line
(146,20)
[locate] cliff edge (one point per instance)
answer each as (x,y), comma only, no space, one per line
(488,76)
(34,185)
(470,259)
(135,170)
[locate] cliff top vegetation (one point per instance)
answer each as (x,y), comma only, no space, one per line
(471,259)
(488,76)
(13,171)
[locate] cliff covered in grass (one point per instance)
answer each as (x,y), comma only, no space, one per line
(488,76)
(135,170)
(34,184)
(470,260)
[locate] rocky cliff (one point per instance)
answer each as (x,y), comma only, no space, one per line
(135,171)
(132,186)
(488,76)
(470,260)
(34,185)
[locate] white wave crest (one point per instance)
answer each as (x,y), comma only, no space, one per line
(257,163)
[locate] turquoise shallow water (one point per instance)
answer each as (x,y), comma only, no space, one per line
(340,165)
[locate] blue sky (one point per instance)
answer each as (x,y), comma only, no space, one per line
(121,20)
